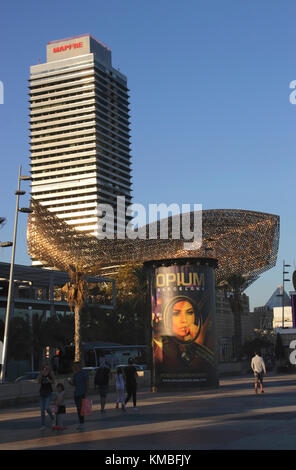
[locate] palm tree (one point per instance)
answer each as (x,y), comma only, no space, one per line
(74,291)
(131,309)
(236,284)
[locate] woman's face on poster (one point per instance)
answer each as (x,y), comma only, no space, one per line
(183,319)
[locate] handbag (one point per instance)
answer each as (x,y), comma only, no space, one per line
(86,407)
(54,409)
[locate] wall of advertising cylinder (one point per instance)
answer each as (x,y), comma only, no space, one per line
(183,314)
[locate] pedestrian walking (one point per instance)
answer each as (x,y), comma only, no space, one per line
(131,383)
(102,382)
(119,384)
(258,367)
(80,381)
(46,380)
(60,407)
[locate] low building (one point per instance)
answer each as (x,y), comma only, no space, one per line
(276,313)
(282,317)
(38,290)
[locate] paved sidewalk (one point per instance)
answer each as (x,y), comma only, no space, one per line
(231,417)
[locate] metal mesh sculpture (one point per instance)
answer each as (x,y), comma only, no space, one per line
(244,242)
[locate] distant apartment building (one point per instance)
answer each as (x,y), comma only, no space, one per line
(276,313)
(80,132)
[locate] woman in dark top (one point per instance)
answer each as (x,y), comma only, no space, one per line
(46,380)
(131,382)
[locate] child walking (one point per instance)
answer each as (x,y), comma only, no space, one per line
(61,408)
(119,383)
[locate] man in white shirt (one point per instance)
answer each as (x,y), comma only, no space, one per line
(258,367)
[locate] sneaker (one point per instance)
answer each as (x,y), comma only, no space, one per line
(135,408)
(42,428)
(80,427)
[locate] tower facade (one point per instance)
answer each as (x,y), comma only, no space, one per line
(80,132)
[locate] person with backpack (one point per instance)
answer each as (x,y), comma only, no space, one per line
(102,382)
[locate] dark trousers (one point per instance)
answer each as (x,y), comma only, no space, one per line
(78,403)
(45,406)
(131,392)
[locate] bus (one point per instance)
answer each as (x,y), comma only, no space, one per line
(115,354)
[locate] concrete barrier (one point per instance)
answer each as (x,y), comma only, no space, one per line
(13,394)
(228,369)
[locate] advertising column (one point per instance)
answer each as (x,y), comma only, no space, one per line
(183,323)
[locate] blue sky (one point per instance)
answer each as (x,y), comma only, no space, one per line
(211,118)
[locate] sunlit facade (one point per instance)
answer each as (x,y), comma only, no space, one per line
(79,129)
(243,242)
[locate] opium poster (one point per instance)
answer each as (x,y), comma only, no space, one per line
(183,324)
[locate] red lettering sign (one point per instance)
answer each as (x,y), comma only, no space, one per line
(68,47)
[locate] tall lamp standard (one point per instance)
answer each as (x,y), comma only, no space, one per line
(284,280)
(3,245)
(26,210)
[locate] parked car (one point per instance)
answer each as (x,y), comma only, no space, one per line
(28,377)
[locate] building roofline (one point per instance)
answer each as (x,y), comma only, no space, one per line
(80,36)
(42,276)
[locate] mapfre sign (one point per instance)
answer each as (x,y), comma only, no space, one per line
(68,47)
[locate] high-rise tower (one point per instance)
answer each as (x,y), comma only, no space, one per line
(79,129)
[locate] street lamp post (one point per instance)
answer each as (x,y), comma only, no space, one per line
(32,336)
(18,193)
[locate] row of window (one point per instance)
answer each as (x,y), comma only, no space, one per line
(99,76)
(110,159)
(83,102)
(113,157)
(99,126)
(102,141)
(118,184)
(108,111)
(108,119)
(106,97)
(52,97)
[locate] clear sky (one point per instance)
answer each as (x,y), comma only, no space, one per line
(211,118)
